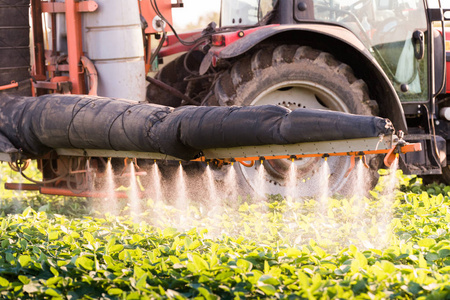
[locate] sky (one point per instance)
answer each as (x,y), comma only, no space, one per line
(192,10)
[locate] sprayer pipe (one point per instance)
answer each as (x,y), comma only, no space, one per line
(248,165)
(9,86)
(69,193)
(92,73)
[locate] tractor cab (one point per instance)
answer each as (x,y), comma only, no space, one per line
(393,31)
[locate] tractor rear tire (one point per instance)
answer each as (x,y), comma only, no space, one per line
(296,77)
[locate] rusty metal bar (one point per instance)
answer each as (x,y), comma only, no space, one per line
(90,194)
(21,186)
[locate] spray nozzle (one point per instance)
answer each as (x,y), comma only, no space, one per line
(232,161)
(262,159)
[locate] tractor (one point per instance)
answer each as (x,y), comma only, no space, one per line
(384,58)
(380,58)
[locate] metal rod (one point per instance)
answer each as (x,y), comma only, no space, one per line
(21,186)
(69,193)
(9,86)
(171,90)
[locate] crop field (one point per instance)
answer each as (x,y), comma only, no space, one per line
(384,246)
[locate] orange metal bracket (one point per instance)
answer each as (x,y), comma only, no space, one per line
(411,148)
(12,85)
(390,157)
(393,153)
(352,166)
(365,162)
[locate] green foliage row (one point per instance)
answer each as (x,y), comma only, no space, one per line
(376,248)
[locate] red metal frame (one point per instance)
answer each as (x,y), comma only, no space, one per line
(38,69)
(146,10)
(75,67)
(74,46)
(173,46)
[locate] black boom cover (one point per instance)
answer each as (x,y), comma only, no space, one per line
(36,125)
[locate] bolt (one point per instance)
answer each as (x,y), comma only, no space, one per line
(302,6)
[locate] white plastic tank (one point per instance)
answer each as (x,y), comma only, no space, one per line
(113,41)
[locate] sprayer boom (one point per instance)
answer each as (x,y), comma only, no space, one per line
(75,137)
(390,145)
(352,147)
